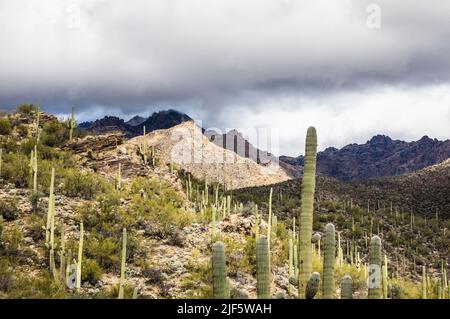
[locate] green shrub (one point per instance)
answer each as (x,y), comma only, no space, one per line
(15,169)
(84,184)
(8,209)
(36,225)
(5,126)
(26,109)
(105,251)
(91,271)
(54,133)
(6,275)
(37,287)
(12,238)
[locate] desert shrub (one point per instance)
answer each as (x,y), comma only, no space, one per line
(26,109)
(159,207)
(91,271)
(83,184)
(34,200)
(8,209)
(15,169)
(22,130)
(5,126)
(198,280)
(105,251)
(6,275)
(153,276)
(37,287)
(128,290)
(11,240)
(36,225)
(54,133)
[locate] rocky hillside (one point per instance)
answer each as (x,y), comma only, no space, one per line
(379,157)
(185,146)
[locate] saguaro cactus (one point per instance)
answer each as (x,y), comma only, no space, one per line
(34,168)
(262,268)
(384,281)
(71,124)
(142,147)
(80,258)
(424,282)
(269,217)
(51,208)
(1,152)
(328,262)
(347,287)
(374,282)
(306,212)
(62,254)
(119,177)
(312,286)
(123,263)
(219,271)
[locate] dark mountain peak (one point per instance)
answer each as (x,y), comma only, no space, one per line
(163,120)
(380,139)
(136,120)
(330,150)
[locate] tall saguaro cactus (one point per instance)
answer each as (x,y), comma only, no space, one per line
(34,168)
(80,258)
(1,152)
(71,124)
(328,262)
(219,271)
(424,282)
(374,283)
(123,263)
(51,208)
(306,212)
(143,148)
(262,268)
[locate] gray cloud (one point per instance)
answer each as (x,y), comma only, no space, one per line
(216,59)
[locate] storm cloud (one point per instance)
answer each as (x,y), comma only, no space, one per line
(284,64)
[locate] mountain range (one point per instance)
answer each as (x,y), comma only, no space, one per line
(133,127)
(379,157)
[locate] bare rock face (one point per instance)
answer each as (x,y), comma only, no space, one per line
(379,157)
(187,147)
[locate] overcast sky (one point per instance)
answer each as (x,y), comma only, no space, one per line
(280,64)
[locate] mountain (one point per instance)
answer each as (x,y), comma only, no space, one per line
(186,147)
(162,120)
(234,141)
(158,120)
(136,120)
(379,157)
(109,124)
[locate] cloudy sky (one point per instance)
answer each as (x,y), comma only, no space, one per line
(279,64)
